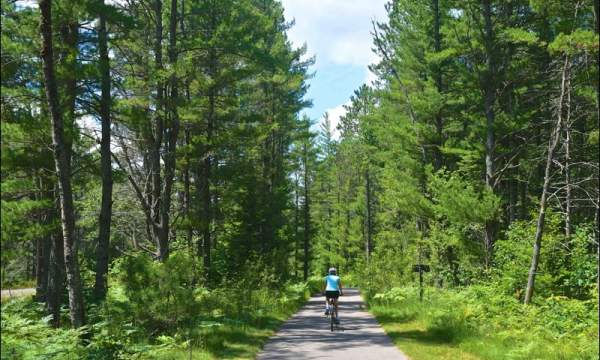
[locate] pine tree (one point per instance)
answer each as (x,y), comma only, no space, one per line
(62,159)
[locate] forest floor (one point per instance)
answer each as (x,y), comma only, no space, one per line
(307,335)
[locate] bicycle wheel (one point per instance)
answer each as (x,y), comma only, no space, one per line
(331,317)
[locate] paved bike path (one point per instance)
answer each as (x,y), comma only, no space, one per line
(306,336)
(12,293)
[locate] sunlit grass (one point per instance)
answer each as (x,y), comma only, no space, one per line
(412,337)
(227,342)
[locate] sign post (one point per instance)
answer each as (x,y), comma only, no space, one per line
(420,268)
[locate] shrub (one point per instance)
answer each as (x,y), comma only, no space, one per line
(493,325)
(566,268)
(156,295)
(26,336)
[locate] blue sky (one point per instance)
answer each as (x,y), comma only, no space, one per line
(338,34)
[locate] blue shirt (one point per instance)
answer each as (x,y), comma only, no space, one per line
(333,283)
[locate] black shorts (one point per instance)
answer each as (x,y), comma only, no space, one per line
(332,294)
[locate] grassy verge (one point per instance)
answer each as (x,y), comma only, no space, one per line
(414,339)
(227,342)
(478,324)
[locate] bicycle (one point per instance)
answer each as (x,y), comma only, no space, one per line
(333,308)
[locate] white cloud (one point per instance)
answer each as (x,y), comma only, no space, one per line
(337,31)
(334,117)
(89,123)
(354,52)
(370,78)
(27,4)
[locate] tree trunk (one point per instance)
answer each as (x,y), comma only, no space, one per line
(512,201)
(56,278)
(296,220)
(43,247)
(524,200)
(565,82)
(173,133)
(159,230)
(453,262)
(306,213)
(439,121)
(56,268)
(568,203)
(597,216)
(512,182)
(30,271)
(101,285)
(187,200)
(216,215)
(206,165)
(369,245)
(41,268)
(187,196)
(489,91)
(63,169)
(206,198)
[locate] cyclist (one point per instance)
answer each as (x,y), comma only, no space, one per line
(332,287)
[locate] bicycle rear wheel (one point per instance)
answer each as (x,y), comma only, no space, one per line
(331,317)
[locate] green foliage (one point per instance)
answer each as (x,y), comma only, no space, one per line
(158,295)
(387,265)
(25,335)
(315,284)
(519,35)
(482,321)
(207,322)
(437,162)
(392,296)
(567,268)
(451,136)
(154,308)
(578,41)
(460,202)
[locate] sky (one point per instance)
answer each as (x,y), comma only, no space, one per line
(338,34)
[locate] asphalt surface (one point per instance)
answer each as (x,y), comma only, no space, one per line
(307,334)
(11,293)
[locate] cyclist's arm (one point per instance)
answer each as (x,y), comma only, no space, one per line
(341,290)
(324,285)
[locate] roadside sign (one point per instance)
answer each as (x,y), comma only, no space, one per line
(420,268)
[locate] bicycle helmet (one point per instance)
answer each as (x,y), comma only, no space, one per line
(332,271)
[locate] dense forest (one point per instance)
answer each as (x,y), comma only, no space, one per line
(162,192)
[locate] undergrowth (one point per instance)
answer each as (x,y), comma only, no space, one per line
(153,311)
(479,321)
